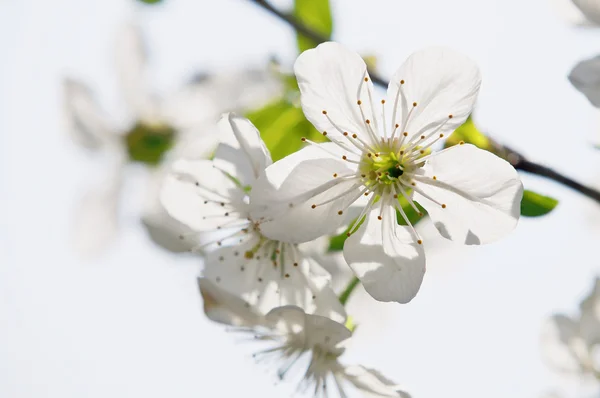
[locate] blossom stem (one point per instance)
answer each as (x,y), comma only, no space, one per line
(348,291)
(308,32)
(515,158)
(519,162)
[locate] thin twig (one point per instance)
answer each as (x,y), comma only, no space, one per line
(514,157)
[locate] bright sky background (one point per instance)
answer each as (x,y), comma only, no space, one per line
(130,323)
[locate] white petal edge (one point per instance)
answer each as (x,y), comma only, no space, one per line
(331,78)
(481,193)
(435,89)
(589,8)
(131,59)
(386,257)
(223,307)
(84,120)
(585,77)
(201,196)
(96,217)
(252,155)
(290,216)
(372,383)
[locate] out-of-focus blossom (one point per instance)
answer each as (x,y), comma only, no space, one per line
(590,9)
(213,198)
(379,150)
(158,129)
(579,13)
(571,344)
(585,77)
(293,337)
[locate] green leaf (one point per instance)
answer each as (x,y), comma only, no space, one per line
(316,15)
(535,205)
(150,1)
(282,126)
(470,134)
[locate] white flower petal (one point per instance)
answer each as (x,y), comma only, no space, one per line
(223,307)
(481,193)
(590,316)
(85,121)
(386,258)
(372,383)
(585,77)
(278,173)
(250,157)
(96,217)
(589,8)
(265,285)
(131,59)
(201,196)
(331,78)
(310,330)
(163,229)
(441,82)
(290,216)
(562,346)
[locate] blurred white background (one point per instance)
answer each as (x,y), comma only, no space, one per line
(130,324)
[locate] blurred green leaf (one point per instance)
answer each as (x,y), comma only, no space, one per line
(150,1)
(470,134)
(336,243)
(316,15)
(535,205)
(282,126)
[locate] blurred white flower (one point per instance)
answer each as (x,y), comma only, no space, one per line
(472,196)
(571,344)
(293,336)
(212,199)
(585,77)
(158,129)
(590,9)
(579,13)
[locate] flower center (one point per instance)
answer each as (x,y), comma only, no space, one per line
(147,143)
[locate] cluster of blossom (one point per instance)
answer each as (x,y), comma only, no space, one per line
(570,344)
(217,192)
(252,218)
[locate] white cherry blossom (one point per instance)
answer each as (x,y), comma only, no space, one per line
(180,124)
(293,337)
(211,198)
(571,344)
(379,152)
